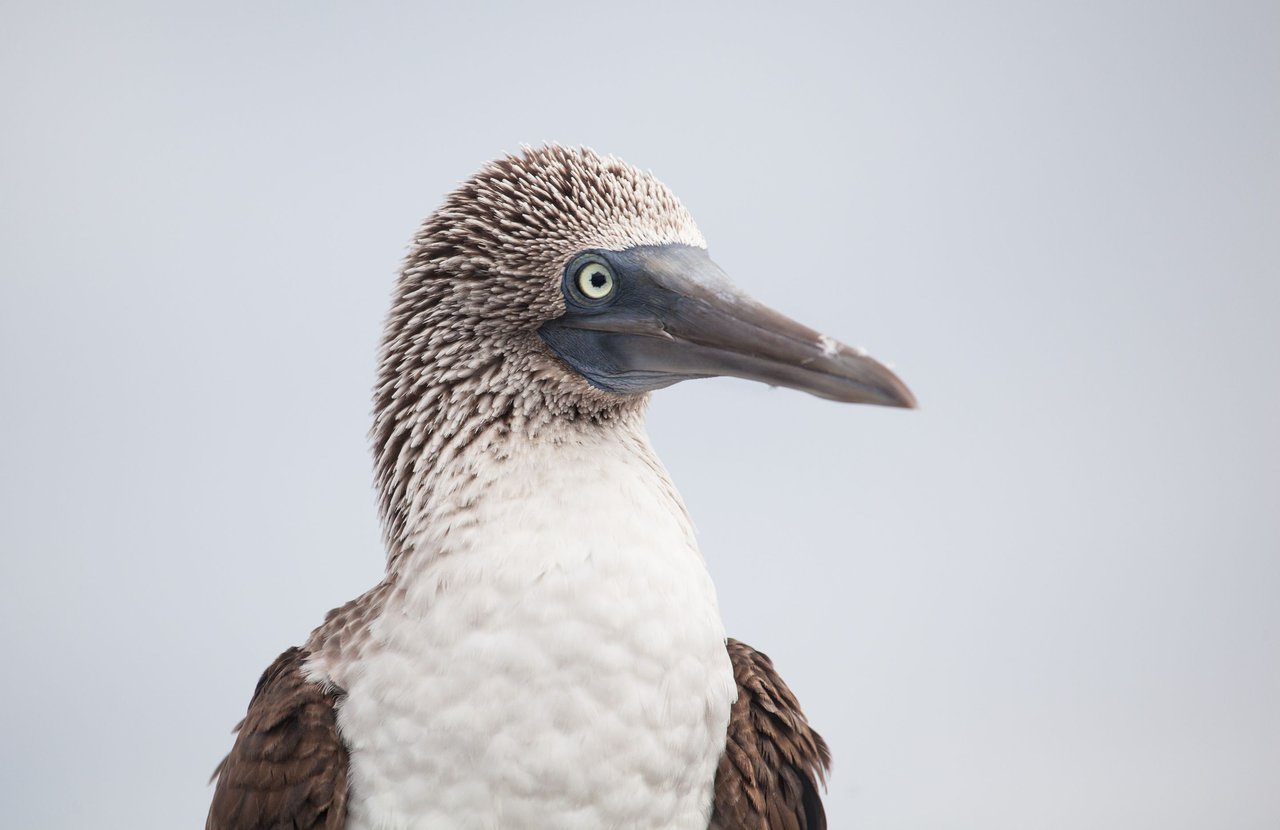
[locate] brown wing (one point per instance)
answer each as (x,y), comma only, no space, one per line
(773,762)
(288,768)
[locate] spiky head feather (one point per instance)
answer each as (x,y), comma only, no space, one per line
(460,356)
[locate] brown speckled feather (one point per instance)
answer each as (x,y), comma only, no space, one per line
(288,768)
(773,761)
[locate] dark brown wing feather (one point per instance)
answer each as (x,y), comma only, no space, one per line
(288,768)
(773,761)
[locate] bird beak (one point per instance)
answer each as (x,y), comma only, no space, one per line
(677,316)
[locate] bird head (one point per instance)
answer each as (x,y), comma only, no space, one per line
(583,281)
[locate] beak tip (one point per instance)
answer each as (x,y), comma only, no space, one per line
(889,388)
(895,398)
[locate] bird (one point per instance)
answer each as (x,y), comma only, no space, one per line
(545,649)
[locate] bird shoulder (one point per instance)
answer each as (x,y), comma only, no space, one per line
(773,761)
(288,767)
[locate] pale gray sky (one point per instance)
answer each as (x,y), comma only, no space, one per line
(1048,599)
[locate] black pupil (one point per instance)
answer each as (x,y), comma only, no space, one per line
(597,279)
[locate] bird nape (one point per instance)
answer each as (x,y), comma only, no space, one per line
(545,650)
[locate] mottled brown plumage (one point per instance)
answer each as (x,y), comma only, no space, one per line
(773,762)
(288,768)
(482,275)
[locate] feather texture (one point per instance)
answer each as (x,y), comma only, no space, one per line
(773,761)
(288,768)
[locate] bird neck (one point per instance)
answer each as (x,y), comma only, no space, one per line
(438,446)
(514,491)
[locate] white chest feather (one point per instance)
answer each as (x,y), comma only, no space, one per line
(552,655)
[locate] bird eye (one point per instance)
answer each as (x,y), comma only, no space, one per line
(595,280)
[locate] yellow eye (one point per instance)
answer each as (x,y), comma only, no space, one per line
(595,281)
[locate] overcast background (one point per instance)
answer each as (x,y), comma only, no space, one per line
(1048,599)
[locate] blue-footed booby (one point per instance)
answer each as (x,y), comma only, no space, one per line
(546,649)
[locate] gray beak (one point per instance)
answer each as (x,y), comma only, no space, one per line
(673,315)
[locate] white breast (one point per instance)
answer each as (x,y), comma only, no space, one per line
(552,655)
